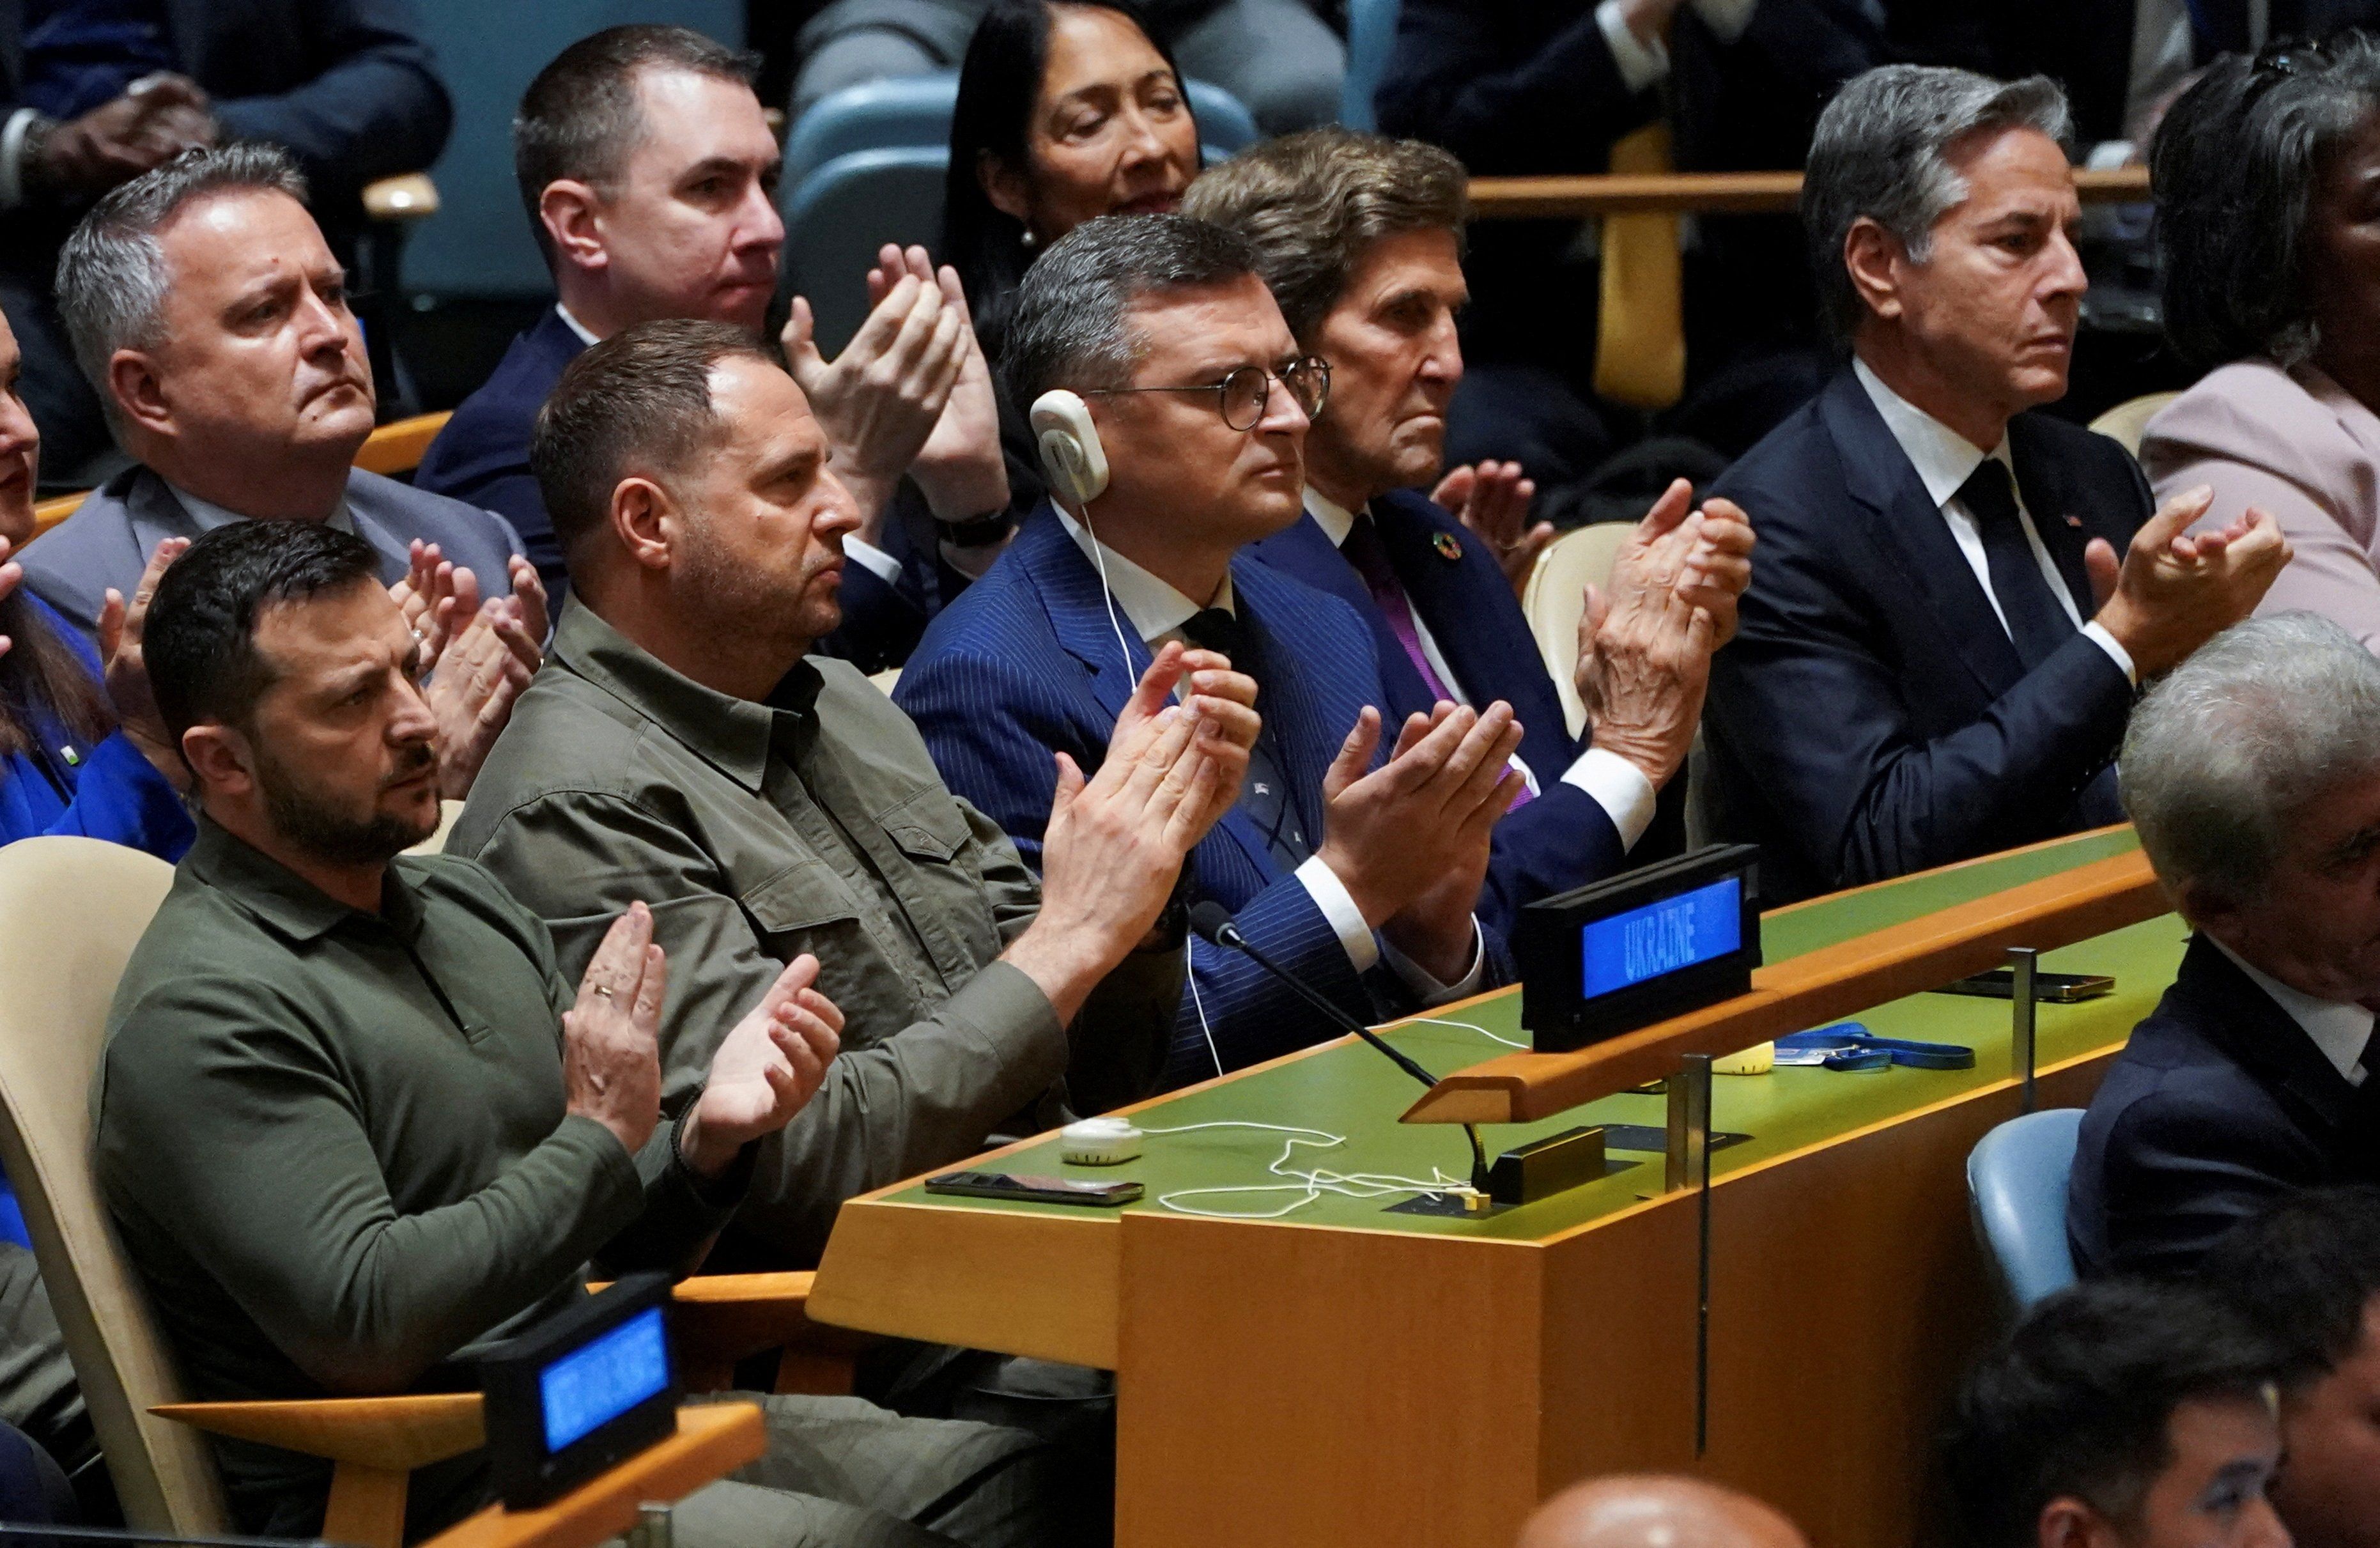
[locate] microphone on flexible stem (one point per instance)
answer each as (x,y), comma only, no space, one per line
(1211,922)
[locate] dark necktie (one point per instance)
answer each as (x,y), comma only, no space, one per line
(1212,628)
(2036,624)
(1265,795)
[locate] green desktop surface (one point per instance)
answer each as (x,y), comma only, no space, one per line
(1348,1090)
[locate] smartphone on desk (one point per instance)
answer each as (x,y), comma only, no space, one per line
(2056,989)
(1038,1190)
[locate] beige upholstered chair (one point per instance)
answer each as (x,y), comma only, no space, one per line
(1555,599)
(2127,421)
(74,909)
(436,843)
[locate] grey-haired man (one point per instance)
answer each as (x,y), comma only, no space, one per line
(209,314)
(2253,776)
(1936,655)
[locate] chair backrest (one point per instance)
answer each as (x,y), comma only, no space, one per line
(916,109)
(2016,1187)
(1371,38)
(1640,346)
(478,243)
(2127,421)
(76,907)
(1555,600)
(846,210)
(866,165)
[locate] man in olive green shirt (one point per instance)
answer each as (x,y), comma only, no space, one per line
(353,1122)
(681,747)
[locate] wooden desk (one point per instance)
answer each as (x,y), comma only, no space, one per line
(712,1440)
(1347,1374)
(1711,193)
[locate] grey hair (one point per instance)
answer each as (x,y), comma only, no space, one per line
(111,278)
(2230,747)
(1882,150)
(1067,327)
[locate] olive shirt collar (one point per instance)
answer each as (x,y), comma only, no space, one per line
(287,903)
(733,735)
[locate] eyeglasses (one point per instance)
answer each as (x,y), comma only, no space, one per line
(1241,396)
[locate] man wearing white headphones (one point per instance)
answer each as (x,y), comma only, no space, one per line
(1172,404)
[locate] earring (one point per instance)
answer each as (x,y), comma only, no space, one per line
(1029,240)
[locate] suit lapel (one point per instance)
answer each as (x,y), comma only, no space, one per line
(1305,552)
(2268,1042)
(1484,640)
(1910,530)
(154,513)
(1306,696)
(2041,478)
(1079,612)
(1078,605)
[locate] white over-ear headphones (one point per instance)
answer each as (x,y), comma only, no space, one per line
(1071,459)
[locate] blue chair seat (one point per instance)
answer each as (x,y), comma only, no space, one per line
(2016,1187)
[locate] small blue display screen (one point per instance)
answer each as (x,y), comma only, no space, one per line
(1658,938)
(602,1378)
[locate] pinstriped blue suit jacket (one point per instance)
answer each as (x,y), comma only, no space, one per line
(1024,664)
(1562,839)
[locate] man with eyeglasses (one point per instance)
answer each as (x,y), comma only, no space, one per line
(1172,404)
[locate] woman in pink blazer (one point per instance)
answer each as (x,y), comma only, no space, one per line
(2268,180)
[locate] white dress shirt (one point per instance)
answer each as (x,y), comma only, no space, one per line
(2339,1031)
(1944,460)
(1643,64)
(1156,611)
(210,516)
(1617,786)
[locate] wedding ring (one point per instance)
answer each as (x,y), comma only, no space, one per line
(604,991)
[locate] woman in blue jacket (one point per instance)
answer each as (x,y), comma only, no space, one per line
(82,749)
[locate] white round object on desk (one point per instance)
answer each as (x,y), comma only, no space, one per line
(1099,1143)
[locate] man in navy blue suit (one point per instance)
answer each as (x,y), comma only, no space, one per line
(1172,403)
(1360,241)
(2253,776)
(650,176)
(1937,655)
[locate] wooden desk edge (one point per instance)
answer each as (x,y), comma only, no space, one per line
(1675,194)
(712,1440)
(1903,959)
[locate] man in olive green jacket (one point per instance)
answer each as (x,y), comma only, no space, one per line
(681,747)
(353,1121)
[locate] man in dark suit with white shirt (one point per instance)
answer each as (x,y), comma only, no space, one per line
(2252,774)
(1359,238)
(649,177)
(1937,655)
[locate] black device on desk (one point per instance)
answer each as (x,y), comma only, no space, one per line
(587,1389)
(1608,958)
(1038,1191)
(2056,989)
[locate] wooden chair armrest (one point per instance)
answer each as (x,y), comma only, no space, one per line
(394,1434)
(407,196)
(399,445)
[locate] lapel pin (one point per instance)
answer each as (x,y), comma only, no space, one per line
(74,759)
(2073,520)
(1448,546)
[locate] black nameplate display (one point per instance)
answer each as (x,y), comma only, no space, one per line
(1655,943)
(581,1392)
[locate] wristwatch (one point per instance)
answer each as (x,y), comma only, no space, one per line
(979,531)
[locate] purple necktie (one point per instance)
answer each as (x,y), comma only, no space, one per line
(1370,557)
